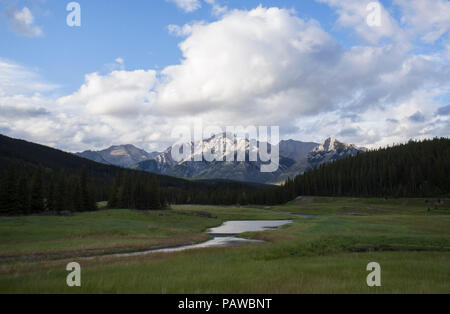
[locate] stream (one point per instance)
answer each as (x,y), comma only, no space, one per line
(222,236)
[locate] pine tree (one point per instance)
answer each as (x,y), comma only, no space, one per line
(8,193)
(76,199)
(51,201)
(113,200)
(139,195)
(126,192)
(155,202)
(37,191)
(23,194)
(84,193)
(61,193)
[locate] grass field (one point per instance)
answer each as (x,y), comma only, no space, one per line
(323,254)
(109,231)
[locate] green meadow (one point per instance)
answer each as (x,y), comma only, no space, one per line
(328,253)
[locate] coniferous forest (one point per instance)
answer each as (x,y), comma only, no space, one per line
(415,169)
(21,194)
(34,184)
(36,179)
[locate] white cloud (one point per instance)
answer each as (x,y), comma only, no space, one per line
(217,9)
(181,31)
(380,126)
(119,60)
(353,14)
(193,5)
(264,66)
(269,50)
(430,19)
(22,22)
(187,5)
(17,79)
(117,93)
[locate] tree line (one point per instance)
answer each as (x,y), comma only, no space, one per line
(414,169)
(26,190)
(134,190)
(138,190)
(22,194)
(126,188)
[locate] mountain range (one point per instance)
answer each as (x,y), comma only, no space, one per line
(123,156)
(295,158)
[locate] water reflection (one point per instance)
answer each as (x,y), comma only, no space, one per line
(223,236)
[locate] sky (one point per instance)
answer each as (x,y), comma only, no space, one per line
(135,70)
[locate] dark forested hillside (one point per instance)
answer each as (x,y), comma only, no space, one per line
(32,155)
(35,178)
(415,169)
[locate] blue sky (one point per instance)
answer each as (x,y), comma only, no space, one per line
(110,29)
(123,77)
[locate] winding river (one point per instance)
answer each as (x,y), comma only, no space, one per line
(222,236)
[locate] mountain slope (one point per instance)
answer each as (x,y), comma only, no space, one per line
(122,155)
(295,158)
(329,151)
(296,150)
(32,155)
(414,169)
(21,159)
(233,170)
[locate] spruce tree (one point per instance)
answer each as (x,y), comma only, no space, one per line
(85,204)
(37,191)
(113,200)
(61,193)
(23,194)
(76,199)
(155,202)
(50,199)
(139,194)
(8,193)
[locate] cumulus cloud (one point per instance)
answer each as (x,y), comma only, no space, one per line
(22,22)
(264,66)
(271,52)
(287,69)
(117,93)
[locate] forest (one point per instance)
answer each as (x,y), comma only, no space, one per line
(53,181)
(36,179)
(47,191)
(414,169)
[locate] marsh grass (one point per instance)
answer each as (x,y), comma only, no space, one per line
(325,254)
(110,231)
(367,206)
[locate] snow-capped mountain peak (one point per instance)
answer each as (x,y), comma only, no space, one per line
(332,149)
(295,158)
(330,144)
